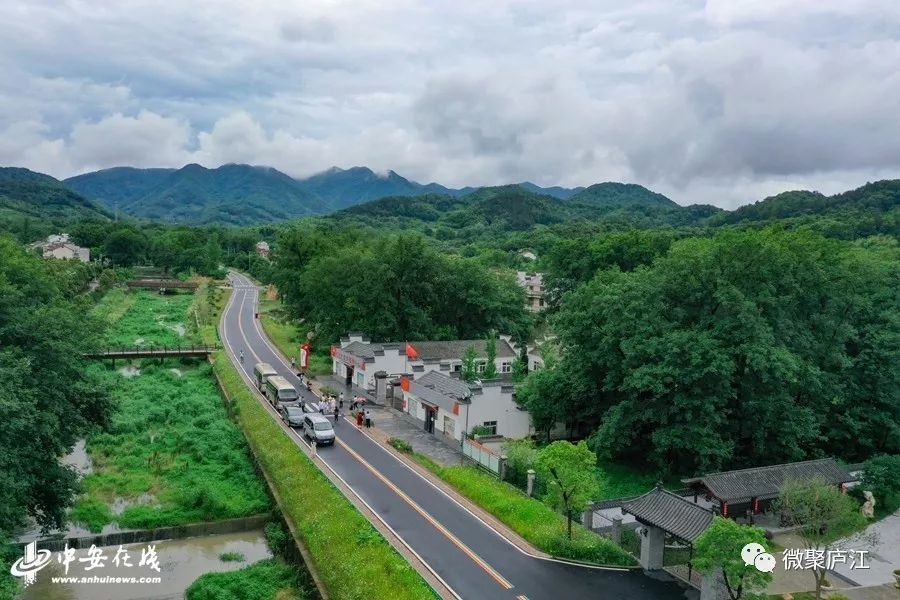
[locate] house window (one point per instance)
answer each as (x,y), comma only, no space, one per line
(480,367)
(491,427)
(505,367)
(457,368)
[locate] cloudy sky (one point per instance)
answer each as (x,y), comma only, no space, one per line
(722,101)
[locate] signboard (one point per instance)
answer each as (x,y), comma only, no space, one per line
(351,360)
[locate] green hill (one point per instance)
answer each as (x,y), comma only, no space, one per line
(33,204)
(620,194)
(230,194)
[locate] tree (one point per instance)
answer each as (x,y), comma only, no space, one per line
(125,247)
(490,346)
(881,476)
(571,477)
(718,550)
(469,370)
(822,515)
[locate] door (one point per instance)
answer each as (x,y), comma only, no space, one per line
(349,379)
(429,419)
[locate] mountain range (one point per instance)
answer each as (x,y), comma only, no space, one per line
(243,194)
(28,196)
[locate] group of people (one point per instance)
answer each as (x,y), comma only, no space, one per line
(330,405)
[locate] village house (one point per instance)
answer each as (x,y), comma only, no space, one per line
(447,405)
(262,249)
(59,246)
(533,283)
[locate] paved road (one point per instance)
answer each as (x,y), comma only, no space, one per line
(473,560)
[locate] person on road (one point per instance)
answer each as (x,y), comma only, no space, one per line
(293,364)
(337,415)
(342,399)
(308,385)
(242,356)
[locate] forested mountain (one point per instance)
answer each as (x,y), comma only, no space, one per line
(230,194)
(32,204)
(346,187)
(611,193)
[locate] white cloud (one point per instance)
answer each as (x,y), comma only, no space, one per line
(721,101)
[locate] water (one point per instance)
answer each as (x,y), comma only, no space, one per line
(181,562)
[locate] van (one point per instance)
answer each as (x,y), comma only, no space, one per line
(279,390)
(261,371)
(318,429)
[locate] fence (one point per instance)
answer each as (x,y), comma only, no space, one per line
(483,456)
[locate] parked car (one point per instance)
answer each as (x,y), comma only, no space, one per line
(318,429)
(292,414)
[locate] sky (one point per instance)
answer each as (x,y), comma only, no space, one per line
(721,102)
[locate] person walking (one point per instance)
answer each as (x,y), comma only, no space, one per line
(368,419)
(242,356)
(341,397)
(337,415)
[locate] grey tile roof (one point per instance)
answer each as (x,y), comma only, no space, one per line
(362,349)
(766,482)
(679,516)
(440,390)
(454,349)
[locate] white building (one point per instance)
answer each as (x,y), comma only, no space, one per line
(262,249)
(357,359)
(534,289)
(59,246)
(449,406)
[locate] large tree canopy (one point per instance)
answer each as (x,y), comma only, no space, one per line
(393,288)
(746,348)
(46,400)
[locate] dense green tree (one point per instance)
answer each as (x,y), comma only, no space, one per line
(570,476)
(722,351)
(125,247)
(490,365)
(468,371)
(717,552)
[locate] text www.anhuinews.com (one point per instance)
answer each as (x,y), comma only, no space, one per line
(105,579)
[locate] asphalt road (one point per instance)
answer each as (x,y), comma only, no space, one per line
(470,557)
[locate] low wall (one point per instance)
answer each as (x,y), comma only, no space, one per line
(137,536)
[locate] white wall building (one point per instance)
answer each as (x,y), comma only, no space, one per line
(449,406)
(534,289)
(358,359)
(59,246)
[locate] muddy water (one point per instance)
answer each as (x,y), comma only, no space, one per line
(180,561)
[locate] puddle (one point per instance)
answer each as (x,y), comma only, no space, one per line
(176,372)
(120,504)
(180,561)
(78,459)
(129,371)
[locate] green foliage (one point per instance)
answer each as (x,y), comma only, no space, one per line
(611,193)
(144,318)
(401,445)
(232,557)
(490,365)
(263,580)
(881,476)
(479,430)
(571,479)
(277,538)
(718,549)
(531,519)
(48,400)
(326,521)
(469,368)
(722,351)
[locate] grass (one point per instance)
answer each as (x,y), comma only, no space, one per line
(534,521)
(232,557)
(263,580)
(171,455)
(352,558)
(287,336)
(141,318)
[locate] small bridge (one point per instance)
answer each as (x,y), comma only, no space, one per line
(155,352)
(162,284)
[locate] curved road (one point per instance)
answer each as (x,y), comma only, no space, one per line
(472,559)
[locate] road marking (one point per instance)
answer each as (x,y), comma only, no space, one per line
(434,522)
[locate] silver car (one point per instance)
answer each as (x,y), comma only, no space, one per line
(318,429)
(292,415)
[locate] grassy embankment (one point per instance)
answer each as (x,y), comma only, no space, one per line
(534,521)
(287,336)
(171,456)
(263,580)
(351,557)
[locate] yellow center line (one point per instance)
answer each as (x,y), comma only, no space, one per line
(456,541)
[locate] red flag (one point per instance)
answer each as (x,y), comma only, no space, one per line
(411,352)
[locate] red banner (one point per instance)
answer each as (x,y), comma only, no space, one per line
(411,352)
(304,356)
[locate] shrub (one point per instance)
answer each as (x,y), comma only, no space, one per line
(263,580)
(277,538)
(401,445)
(232,557)
(881,475)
